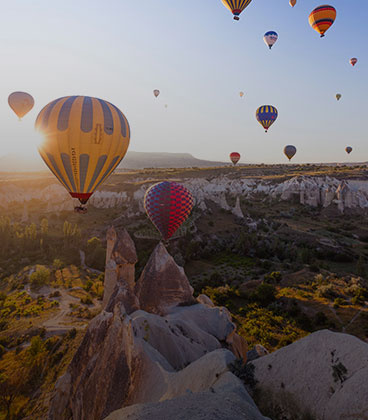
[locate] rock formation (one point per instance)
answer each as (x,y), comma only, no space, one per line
(121,258)
(307,190)
(171,346)
(226,399)
(163,284)
(323,375)
(237,211)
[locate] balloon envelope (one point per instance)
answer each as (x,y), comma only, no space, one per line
(236,6)
(241,94)
(84,141)
(338,96)
(348,150)
(168,205)
(156,92)
(234,157)
(266,115)
(353,61)
(321,18)
(270,38)
(292,3)
(21,103)
(289,151)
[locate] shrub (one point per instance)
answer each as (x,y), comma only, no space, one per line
(86,300)
(40,277)
(339,302)
(264,295)
(274,278)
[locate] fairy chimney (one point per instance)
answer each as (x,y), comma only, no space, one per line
(121,257)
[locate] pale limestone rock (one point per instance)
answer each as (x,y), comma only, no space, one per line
(308,372)
(226,399)
(237,211)
(162,284)
(128,359)
(121,258)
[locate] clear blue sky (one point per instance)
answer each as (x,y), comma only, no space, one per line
(200,58)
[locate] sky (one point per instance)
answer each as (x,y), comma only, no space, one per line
(199,58)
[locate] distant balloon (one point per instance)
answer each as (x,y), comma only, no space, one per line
(168,205)
(21,103)
(236,6)
(348,150)
(338,96)
(289,151)
(166,105)
(321,18)
(353,61)
(156,92)
(292,3)
(266,115)
(84,141)
(270,38)
(241,94)
(234,157)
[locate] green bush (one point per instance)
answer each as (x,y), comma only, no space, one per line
(264,295)
(339,302)
(87,300)
(273,278)
(40,277)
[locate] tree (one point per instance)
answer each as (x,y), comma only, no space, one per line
(40,277)
(44,226)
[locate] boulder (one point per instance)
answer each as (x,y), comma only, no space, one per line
(226,400)
(323,375)
(162,284)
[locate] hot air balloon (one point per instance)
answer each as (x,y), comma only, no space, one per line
(353,61)
(292,3)
(270,38)
(234,157)
(236,6)
(168,205)
(266,115)
(21,103)
(156,92)
(348,150)
(84,141)
(166,105)
(322,18)
(289,151)
(338,96)
(241,94)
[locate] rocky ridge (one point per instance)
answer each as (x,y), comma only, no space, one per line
(307,190)
(153,342)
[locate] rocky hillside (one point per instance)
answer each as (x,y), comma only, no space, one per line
(153,342)
(155,352)
(309,191)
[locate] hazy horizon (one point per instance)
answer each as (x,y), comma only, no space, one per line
(200,59)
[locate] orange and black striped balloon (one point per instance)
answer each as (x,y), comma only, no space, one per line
(321,18)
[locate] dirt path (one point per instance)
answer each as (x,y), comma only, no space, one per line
(57,322)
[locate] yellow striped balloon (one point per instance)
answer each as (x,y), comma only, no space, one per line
(236,6)
(84,141)
(322,18)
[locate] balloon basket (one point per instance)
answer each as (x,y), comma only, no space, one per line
(80,210)
(236,18)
